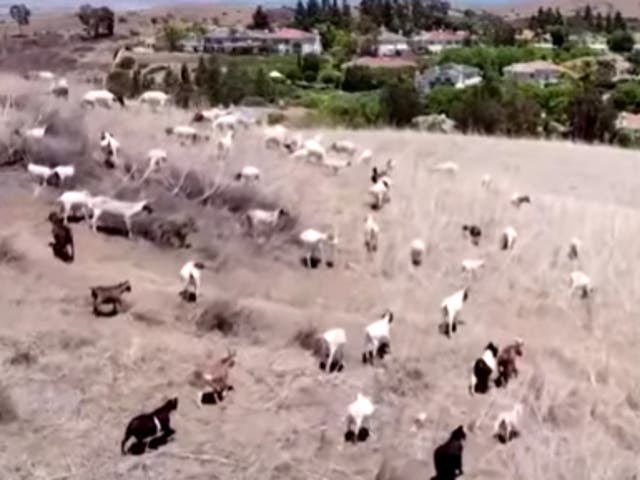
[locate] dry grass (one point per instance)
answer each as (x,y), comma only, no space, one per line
(8,413)
(578,377)
(9,254)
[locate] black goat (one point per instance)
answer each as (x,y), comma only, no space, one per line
(153,428)
(109,295)
(62,244)
(474,231)
(447,458)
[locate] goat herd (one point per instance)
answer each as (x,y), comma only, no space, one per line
(495,367)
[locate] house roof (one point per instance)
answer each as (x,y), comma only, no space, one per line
(292,34)
(628,121)
(441,36)
(381,62)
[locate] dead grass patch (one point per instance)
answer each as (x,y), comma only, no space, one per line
(226,317)
(307,338)
(9,255)
(22,357)
(147,318)
(8,412)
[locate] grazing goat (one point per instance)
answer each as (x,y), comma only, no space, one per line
(508,238)
(213,378)
(507,362)
(104,98)
(581,282)
(184,132)
(335,164)
(50,176)
(35,133)
(574,249)
(518,199)
(109,146)
(331,350)
(358,417)
(344,146)
(507,426)
(378,174)
(127,210)
(248,174)
(154,98)
(365,157)
(472,265)
(62,244)
(154,428)
(371,234)
(484,370)
(225,144)
(210,115)
(190,273)
(111,295)
(474,232)
(264,220)
(418,249)
(451,307)
(60,89)
(377,340)
(380,192)
(74,198)
(446,167)
(486,181)
(447,458)
(275,136)
(315,151)
(229,121)
(314,240)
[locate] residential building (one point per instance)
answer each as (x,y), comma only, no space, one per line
(539,71)
(451,74)
(241,40)
(389,44)
(628,121)
(438,40)
(291,40)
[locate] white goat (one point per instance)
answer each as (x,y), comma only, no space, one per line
(446,167)
(300,154)
(249,173)
(275,136)
(580,281)
(35,133)
(225,144)
(344,146)
(259,219)
(154,98)
(184,132)
(451,307)
(371,234)
(358,416)
(103,98)
(518,199)
(380,192)
(472,265)
(74,198)
(60,88)
(486,181)
(507,425)
(377,339)
(46,174)
(315,151)
(314,241)
(365,157)
(210,115)
(229,121)
(41,75)
(508,238)
(109,146)
(190,273)
(127,210)
(418,249)
(335,164)
(334,341)
(574,248)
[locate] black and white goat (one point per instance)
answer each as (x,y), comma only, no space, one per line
(150,429)
(484,370)
(377,340)
(331,353)
(190,273)
(358,418)
(474,232)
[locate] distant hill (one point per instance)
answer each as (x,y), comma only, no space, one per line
(629,8)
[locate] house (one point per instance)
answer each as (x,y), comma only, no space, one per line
(451,74)
(382,62)
(234,40)
(389,44)
(628,121)
(191,43)
(539,71)
(437,40)
(597,43)
(291,40)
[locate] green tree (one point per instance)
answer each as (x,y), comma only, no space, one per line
(626,97)
(300,18)
(185,88)
(200,78)
(310,66)
(621,41)
(234,86)
(213,81)
(260,19)
(400,102)
(588,16)
(170,80)
(591,118)
(262,86)
(173,34)
(619,22)
(559,36)
(346,18)
(136,82)
(599,22)
(608,23)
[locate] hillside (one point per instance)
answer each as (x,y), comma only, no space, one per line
(629,8)
(72,381)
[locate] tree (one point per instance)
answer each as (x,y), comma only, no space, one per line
(558,36)
(608,23)
(599,22)
(213,81)
(400,102)
(98,22)
(260,19)
(346,19)
(262,84)
(173,34)
(170,80)
(234,86)
(588,16)
(621,41)
(185,89)
(201,73)
(136,83)
(590,117)
(20,14)
(300,19)
(619,22)
(310,66)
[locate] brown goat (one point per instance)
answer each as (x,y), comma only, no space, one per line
(213,379)
(507,362)
(62,244)
(109,295)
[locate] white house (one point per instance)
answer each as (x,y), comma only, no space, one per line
(451,74)
(391,44)
(438,40)
(539,71)
(291,40)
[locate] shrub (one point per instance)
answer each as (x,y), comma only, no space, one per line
(274,118)
(119,82)
(621,42)
(331,78)
(591,118)
(311,66)
(127,62)
(400,102)
(626,97)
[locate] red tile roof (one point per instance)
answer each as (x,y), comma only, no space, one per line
(292,34)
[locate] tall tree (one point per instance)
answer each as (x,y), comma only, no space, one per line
(185,89)
(608,23)
(313,12)
(619,22)
(591,118)
(213,81)
(346,15)
(300,19)
(260,19)
(588,16)
(21,15)
(201,73)
(599,22)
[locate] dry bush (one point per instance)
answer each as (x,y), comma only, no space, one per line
(8,412)
(226,317)
(307,338)
(147,318)
(22,357)
(9,255)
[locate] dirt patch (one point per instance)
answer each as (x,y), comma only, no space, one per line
(9,255)
(8,412)
(226,317)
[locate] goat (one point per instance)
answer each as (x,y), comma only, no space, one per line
(474,232)
(50,176)
(447,457)
(60,89)
(151,427)
(314,150)
(210,115)
(472,265)
(418,249)
(507,426)
(484,370)
(344,146)
(62,244)
(225,144)
(71,198)
(314,240)
(248,173)
(154,98)
(275,136)
(156,158)
(508,238)
(104,98)
(259,219)
(40,75)
(451,307)
(580,281)
(380,192)
(507,362)
(358,416)
(518,199)
(127,210)
(300,154)
(365,157)
(331,350)
(377,340)
(229,121)
(184,132)
(213,378)
(109,146)
(574,248)
(190,273)
(371,234)
(109,295)
(378,174)
(446,167)
(335,164)
(486,181)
